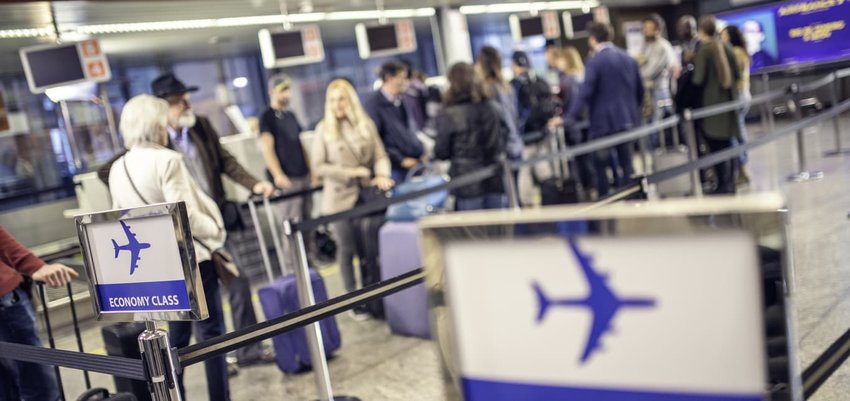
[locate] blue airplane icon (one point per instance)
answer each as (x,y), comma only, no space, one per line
(602,302)
(133,246)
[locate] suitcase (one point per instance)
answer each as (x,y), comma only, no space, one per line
(562,188)
(667,158)
(122,339)
(101,394)
(281,297)
(406,311)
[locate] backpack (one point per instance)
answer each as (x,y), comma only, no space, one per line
(536,97)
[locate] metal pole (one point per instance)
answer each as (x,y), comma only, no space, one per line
(803,174)
(158,358)
(693,150)
(264,251)
(836,121)
(771,123)
(110,119)
(50,340)
(510,185)
(77,331)
(69,131)
(645,167)
(275,237)
(313,331)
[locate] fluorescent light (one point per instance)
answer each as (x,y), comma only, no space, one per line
(505,8)
(26,33)
(240,82)
(348,15)
(147,26)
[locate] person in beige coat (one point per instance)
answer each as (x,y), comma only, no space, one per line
(348,155)
(151,173)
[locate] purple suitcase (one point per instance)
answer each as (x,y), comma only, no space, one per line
(291,350)
(406,311)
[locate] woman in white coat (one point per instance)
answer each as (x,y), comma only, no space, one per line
(151,173)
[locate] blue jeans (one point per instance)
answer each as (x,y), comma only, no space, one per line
(620,161)
(181,332)
(17,325)
(488,201)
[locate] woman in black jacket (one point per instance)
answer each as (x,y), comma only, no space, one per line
(470,133)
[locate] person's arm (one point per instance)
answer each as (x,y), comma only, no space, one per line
(585,92)
(701,67)
(382,167)
(176,186)
(272,162)
(443,142)
(22,260)
(229,165)
(656,62)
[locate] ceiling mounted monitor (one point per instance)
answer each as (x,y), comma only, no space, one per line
(52,66)
(544,24)
(575,25)
(386,39)
(284,48)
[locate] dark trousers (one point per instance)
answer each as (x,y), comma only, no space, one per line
(483,202)
(243,315)
(619,160)
(181,332)
(24,381)
(725,170)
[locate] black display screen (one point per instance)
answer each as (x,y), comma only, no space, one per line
(55,66)
(287,44)
(532,26)
(580,22)
(382,37)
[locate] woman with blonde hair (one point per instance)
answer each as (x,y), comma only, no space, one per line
(348,155)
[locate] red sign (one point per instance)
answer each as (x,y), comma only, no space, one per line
(95,69)
(90,48)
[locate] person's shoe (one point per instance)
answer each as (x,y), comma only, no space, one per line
(232,370)
(263,358)
(743,177)
(359,314)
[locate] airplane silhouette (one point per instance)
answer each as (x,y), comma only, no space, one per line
(133,246)
(602,302)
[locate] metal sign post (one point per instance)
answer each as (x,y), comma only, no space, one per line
(803,173)
(160,362)
(836,121)
(693,150)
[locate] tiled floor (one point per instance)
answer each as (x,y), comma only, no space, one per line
(375,365)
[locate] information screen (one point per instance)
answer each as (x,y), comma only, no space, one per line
(532,26)
(580,22)
(288,44)
(793,32)
(382,37)
(54,66)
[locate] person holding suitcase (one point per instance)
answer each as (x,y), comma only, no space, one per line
(349,157)
(151,173)
(27,381)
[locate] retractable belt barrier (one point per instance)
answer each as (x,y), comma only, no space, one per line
(813,377)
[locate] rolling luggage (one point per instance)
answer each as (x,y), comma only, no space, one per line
(122,339)
(406,311)
(667,158)
(101,394)
(281,297)
(562,188)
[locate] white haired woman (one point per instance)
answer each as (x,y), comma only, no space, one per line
(348,154)
(151,173)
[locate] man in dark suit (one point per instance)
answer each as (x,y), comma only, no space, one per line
(195,137)
(613,91)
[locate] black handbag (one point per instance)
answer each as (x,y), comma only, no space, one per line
(231,215)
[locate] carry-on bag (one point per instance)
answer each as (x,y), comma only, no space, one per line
(122,339)
(667,158)
(280,297)
(406,311)
(561,188)
(418,178)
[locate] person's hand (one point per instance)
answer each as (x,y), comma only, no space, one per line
(383,183)
(282,182)
(315,181)
(361,172)
(409,162)
(55,275)
(556,121)
(264,188)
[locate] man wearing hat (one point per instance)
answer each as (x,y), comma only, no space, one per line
(195,137)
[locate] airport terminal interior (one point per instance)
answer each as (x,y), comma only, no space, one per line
(425,200)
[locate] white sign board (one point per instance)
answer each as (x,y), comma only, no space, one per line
(635,41)
(140,265)
(608,318)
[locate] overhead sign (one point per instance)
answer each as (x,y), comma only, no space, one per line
(544,24)
(385,40)
(284,48)
(50,66)
(665,307)
(141,264)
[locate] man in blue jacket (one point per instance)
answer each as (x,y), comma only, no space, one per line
(613,92)
(395,123)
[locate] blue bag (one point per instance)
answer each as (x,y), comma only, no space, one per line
(418,178)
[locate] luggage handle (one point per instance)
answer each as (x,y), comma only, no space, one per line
(261,239)
(275,238)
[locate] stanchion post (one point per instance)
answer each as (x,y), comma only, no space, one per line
(275,238)
(510,184)
(158,358)
(836,121)
(43,296)
(803,173)
(771,123)
(77,330)
(693,150)
(264,252)
(305,295)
